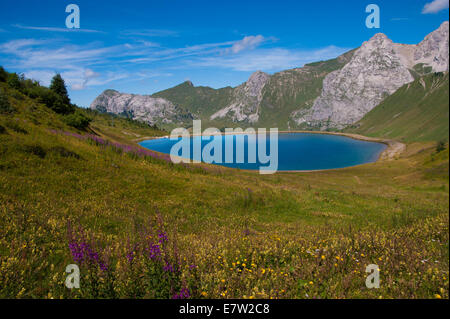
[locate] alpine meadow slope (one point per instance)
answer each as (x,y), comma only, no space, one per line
(77,188)
(139,226)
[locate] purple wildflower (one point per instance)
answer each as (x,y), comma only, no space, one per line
(154,251)
(130,149)
(82,251)
(162,237)
(183,294)
(168,267)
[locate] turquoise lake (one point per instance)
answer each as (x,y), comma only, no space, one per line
(296,151)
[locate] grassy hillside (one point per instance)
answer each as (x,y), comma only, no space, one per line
(416,112)
(201,101)
(140,227)
(120,128)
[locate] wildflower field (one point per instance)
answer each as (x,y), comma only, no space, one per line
(139,226)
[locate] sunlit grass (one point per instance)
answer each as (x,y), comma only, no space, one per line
(230,234)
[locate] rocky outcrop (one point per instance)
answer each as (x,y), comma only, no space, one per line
(246,100)
(433,50)
(140,107)
(377,69)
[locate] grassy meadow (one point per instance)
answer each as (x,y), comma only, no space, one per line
(141,227)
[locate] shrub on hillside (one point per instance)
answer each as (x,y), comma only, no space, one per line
(63,152)
(5,105)
(55,97)
(16,127)
(77,120)
(14,81)
(36,91)
(440,146)
(53,100)
(3,74)
(2,130)
(35,150)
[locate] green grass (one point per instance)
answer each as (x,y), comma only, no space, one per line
(121,129)
(201,101)
(300,235)
(418,111)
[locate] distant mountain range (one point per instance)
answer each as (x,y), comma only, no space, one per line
(326,95)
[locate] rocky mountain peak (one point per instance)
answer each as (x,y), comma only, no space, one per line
(141,107)
(433,50)
(379,37)
(256,76)
(376,70)
(256,83)
(247,98)
(378,42)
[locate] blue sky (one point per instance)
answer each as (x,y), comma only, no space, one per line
(143,47)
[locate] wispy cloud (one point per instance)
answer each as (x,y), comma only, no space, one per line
(164,54)
(150,33)
(93,64)
(399,19)
(32,53)
(87,75)
(247,43)
(435,6)
(77,78)
(269,59)
(40,61)
(55,29)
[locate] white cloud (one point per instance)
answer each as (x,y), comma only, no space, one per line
(14,46)
(247,43)
(150,33)
(31,53)
(92,64)
(222,48)
(435,6)
(275,59)
(43,76)
(87,75)
(162,54)
(148,43)
(77,79)
(40,62)
(55,29)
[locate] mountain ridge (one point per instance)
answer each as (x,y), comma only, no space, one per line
(325,95)
(378,68)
